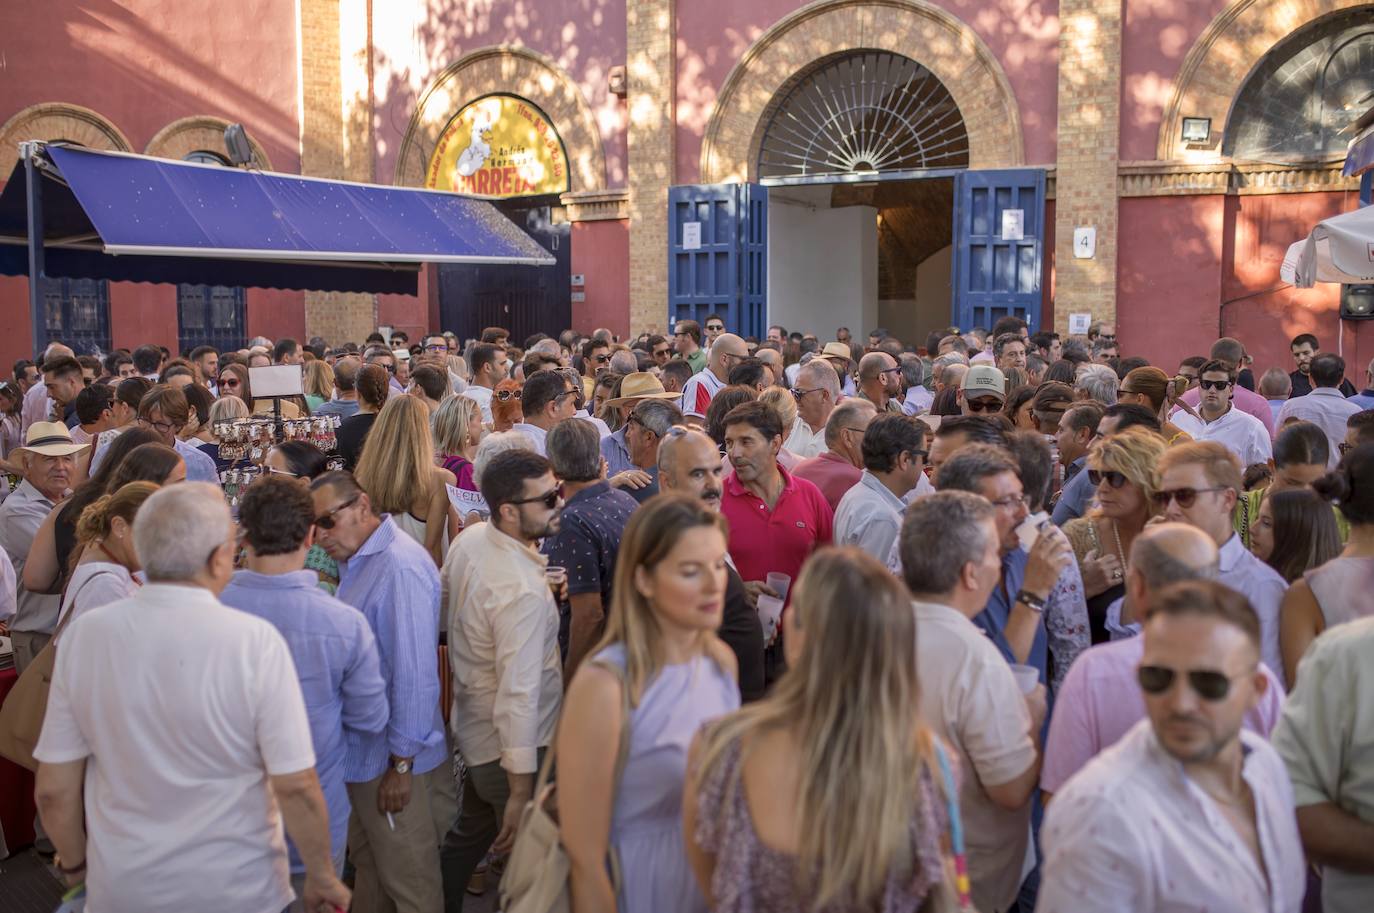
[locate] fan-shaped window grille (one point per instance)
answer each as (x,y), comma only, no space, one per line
(864,111)
(1295,104)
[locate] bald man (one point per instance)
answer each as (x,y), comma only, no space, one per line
(727,351)
(38,404)
(690,464)
(880,380)
(1100,699)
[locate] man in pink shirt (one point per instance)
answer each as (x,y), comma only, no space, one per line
(1248,401)
(1100,699)
(840,466)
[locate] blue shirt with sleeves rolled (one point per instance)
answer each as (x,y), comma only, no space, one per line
(392,580)
(993,618)
(616,452)
(339,670)
(1075,496)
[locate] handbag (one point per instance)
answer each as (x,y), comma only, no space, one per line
(536,877)
(952,894)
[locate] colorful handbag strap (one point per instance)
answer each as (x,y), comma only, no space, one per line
(956,829)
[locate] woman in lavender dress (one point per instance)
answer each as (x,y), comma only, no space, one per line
(661,645)
(823,796)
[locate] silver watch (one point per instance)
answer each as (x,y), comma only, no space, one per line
(401,766)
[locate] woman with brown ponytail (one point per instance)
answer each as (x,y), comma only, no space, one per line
(1152,388)
(104,535)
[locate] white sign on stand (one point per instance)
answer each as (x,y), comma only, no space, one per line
(1013,225)
(276,380)
(691,236)
(1079,323)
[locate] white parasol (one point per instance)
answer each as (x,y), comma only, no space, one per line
(1339,249)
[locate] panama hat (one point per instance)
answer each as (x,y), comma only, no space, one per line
(837,350)
(51,439)
(640,385)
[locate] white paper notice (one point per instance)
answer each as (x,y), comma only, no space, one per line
(1079,323)
(691,236)
(1084,242)
(1013,225)
(275,380)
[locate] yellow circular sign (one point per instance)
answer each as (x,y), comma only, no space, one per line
(499,146)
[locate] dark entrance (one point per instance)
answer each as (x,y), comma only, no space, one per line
(523,299)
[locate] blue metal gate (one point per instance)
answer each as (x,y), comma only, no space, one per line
(996,273)
(76,312)
(718,255)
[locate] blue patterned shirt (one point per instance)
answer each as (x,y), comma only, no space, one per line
(1064,632)
(392,580)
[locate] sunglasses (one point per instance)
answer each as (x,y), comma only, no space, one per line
(328,520)
(601,359)
(1214,384)
(1208,684)
(798,393)
(228,382)
(1186,497)
(1113,478)
(504,395)
(984,405)
(549,500)
(714,327)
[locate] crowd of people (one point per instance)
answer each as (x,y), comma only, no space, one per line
(992,620)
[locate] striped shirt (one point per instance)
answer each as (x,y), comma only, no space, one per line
(698,392)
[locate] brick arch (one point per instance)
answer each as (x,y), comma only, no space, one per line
(191,134)
(58,120)
(927,34)
(515,71)
(1222,59)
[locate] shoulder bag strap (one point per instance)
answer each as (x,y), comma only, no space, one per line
(956,828)
(67,615)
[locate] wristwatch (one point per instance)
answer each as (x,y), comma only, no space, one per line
(1031,601)
(400,765)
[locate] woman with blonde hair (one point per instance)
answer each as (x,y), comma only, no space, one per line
(1152,388)
(319,384)
(104,573)
(785,405)
(457,432)
(397,471)
(781,809)
(1122,469)
(658,674)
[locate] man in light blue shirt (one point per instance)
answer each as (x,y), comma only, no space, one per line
(399,781)
(331,643)
(345,401)
(869,516)
(1077,428)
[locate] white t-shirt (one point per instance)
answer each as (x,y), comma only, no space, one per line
(482,396)
(181,708)
(96,584)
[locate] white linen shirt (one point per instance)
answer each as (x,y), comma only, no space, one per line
(1131,831)
(804,442)
(502,648)
(1241,433)
(1325,407)
(182,708)
(869,516)
(482,396)
(536,435)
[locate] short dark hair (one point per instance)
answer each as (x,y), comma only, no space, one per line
(62,366)
(1008,324)
(761,417)
(303,458)
(90,362)
(1351,485)
(92,402)
(979,429)
(1208,599)
(540,390)
(574,450)
(1218,366)
(147,359)
(1132,415)
(655,340)
(1126,365)
(1031,452)
(483,354)
(200,352)
(1301,338)
(1327,370)
(284,347)
(1363,424)
(1004,340)
(710,317)
(177,370)
(971,464)
(170,401)
(432,381)
(1193,361)
(275,515)
(1043,339)
(492,334)
(131,391)
(888,437)
(503,479)
(679,368)
(1301,443)
(1084,415)
(750,372)
(199,399)
(691,328)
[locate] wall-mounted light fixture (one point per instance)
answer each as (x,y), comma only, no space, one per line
(1197,129)
(617,82)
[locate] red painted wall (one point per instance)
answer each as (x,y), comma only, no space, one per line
(601,252)
(713,35)
(275,313)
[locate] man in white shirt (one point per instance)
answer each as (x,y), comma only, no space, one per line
(951,561)
(1198,485)
(917,398)
(1188,810)
(1219,419)
(727,351)
(503,650)
(490,365)
(817,392)
(1326,406)
(869,515)
(546,399)
(176,781)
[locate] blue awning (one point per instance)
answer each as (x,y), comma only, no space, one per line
(1359,155)
(111,215)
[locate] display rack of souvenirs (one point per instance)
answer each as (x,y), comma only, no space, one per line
(245,443)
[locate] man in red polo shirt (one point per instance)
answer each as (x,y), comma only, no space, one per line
(776,519)
(840,466)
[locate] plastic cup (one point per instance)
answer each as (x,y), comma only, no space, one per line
(556,575)
(770,616)
(778,583)
(1027,677)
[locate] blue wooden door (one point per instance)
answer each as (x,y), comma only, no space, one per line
(718,255)
(995,273)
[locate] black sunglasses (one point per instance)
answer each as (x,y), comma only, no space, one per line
(1209,684)
(716,326)
(798,393)
(1186,497)
(550,500)
(328,520)
(1214,384)
(1114,478)
(983,405)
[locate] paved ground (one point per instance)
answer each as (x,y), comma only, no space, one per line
(27,886)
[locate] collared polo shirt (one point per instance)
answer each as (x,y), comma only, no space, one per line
(697,359)
(536,435)
(1240,432)
(21,513)
(1328,409)
(869,517)
(698,392)
(764,541)
(831,473)
(616,452)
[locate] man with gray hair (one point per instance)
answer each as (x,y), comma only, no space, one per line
(840,467)
(1100,699)
(917,398)
(817,391)
(195,762)
(1098,383)
(645,429)
(588,537)
(951,561)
